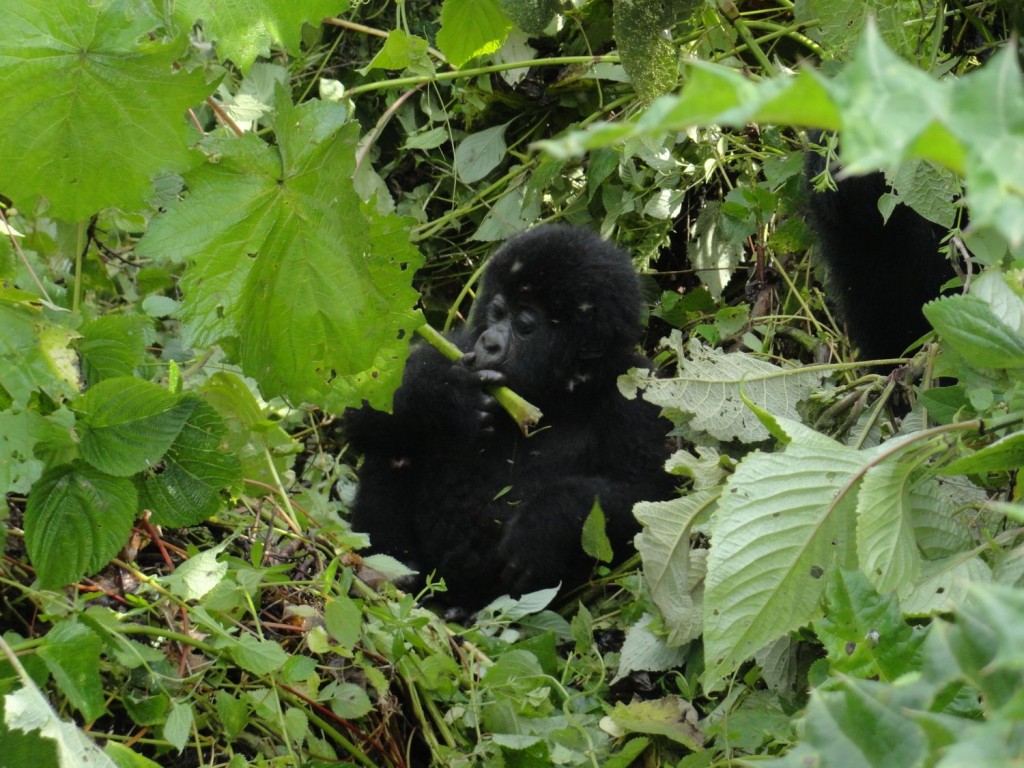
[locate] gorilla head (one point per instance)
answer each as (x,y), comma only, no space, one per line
(556,299)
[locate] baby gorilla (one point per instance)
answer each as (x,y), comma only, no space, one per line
(448,483)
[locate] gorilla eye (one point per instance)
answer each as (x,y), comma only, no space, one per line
(526,323)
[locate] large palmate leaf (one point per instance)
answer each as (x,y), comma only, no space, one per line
(67,70)
(245,29)
(306,286)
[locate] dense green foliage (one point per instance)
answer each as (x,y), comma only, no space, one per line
(223,223)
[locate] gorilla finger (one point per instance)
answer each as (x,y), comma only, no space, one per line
(490,377)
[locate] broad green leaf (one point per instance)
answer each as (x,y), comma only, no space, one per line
(126,425)
(76,519)
(34,352)
(311,288)
(65,69)
(27,710)
(988,119)
(23,433)
(674,570)
(244,29)
(886,545)
(195,471)
(261,657)
(72,654)
(113,345)
(401,51)
(858,720)
(707,393)
(349,701)
(480,153)
(671,717)
(643,650)
(344,621)
(784,522)
(1004,455)
(232,713)
(595,537)
(863,632)
(471,28)
(901,23)
(648,54)
(178,727)
(968,325)
(943,585)
(193,579)
(886,104)
(255,440)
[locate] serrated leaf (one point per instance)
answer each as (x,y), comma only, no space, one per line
(595,537)
(178,727)
(72,654)
(22,434)
(196,471)
(784,522)
(401,50)
(250,437)
(261,657)
(126,424)
(471,28)
(193,579)
(311,287)
(76,520)
(64,70)
(864,632)
(674,571)
(112,346)
(244,29)
(33,353)
(968,325)
(707,393)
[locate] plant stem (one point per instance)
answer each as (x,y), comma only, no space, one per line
(526,414)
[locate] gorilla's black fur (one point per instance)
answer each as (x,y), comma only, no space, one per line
(449,484)
(879,274)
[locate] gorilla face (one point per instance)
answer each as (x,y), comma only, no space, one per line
(514,342)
